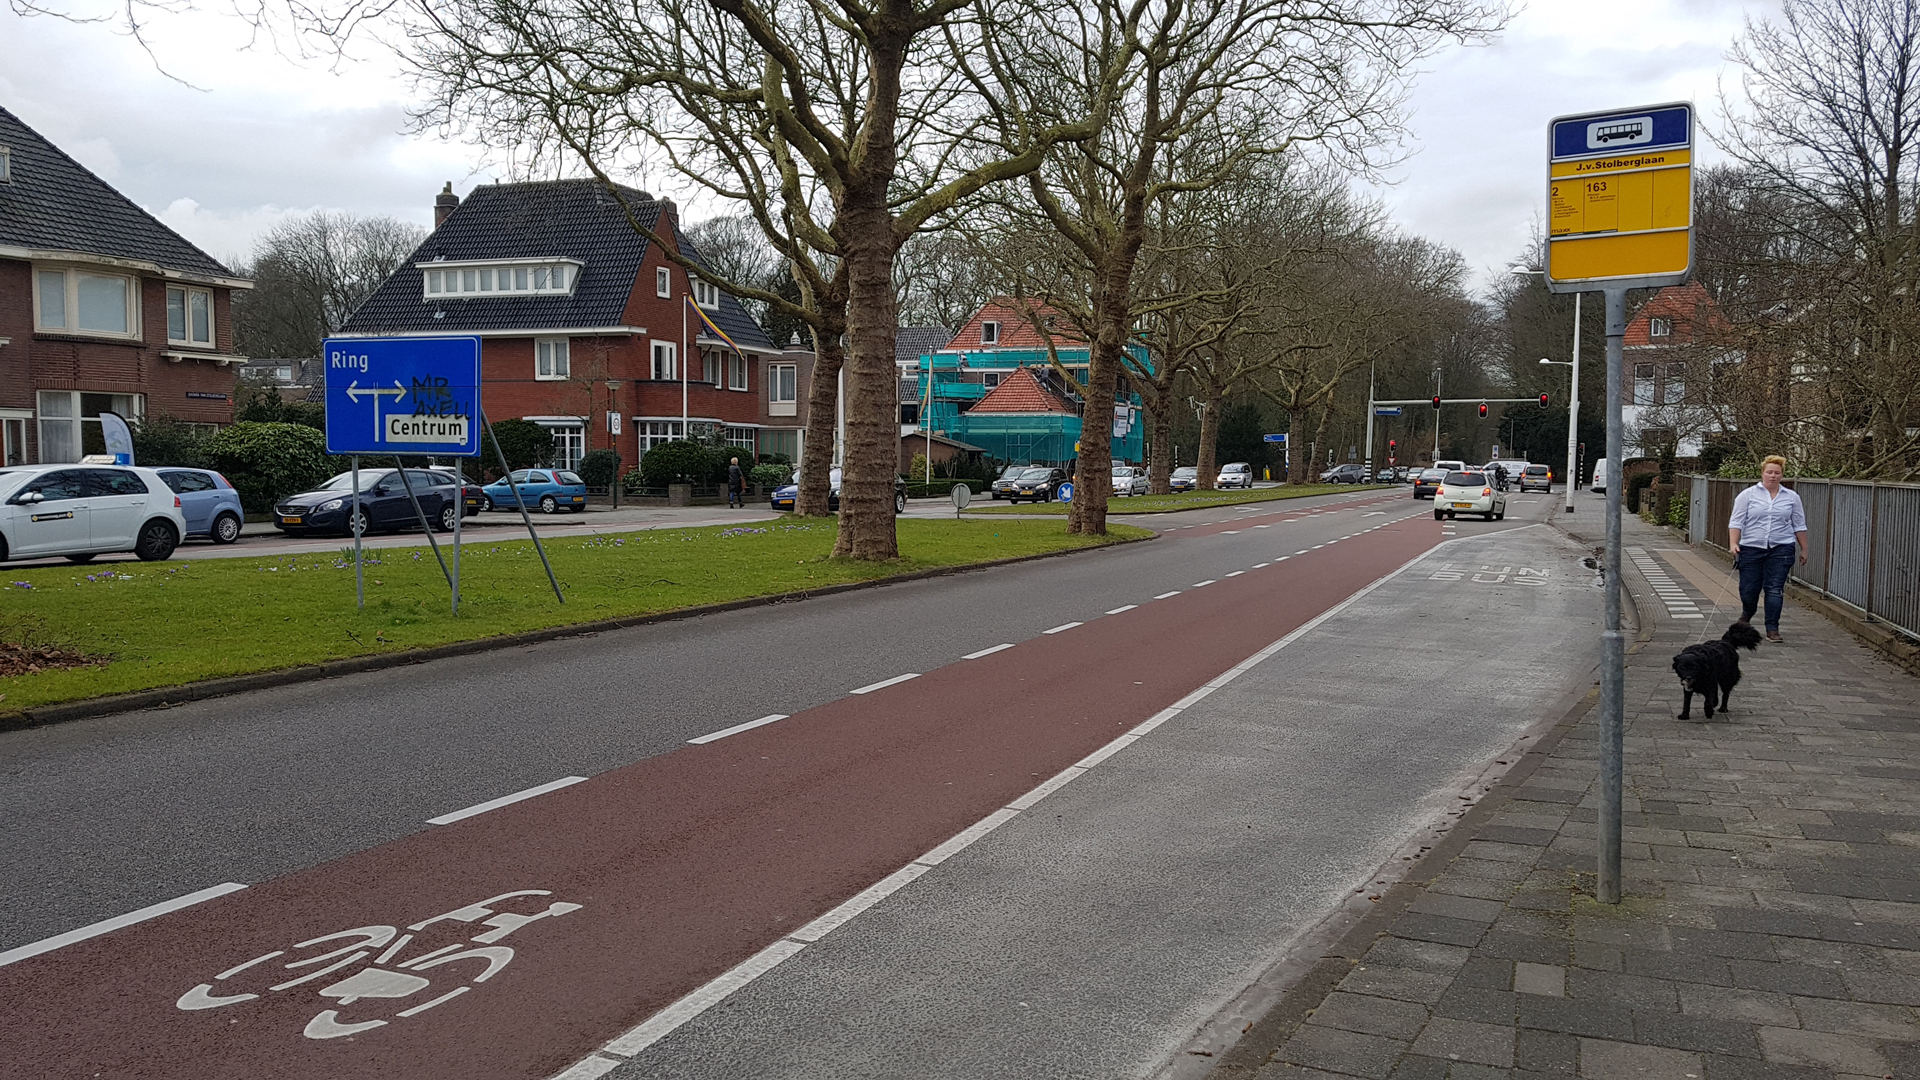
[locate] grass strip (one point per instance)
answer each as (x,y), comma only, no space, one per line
(166,624)
(1188,500)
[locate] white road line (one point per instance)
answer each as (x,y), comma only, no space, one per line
(884,683)
(1283,558)
(662,1023)
(1203,584)
(987,652)
(866,898)
(1164,595)
(1263,526)
(1060,780)
(1061,627)
(965,837)
(1236,573)
(506,800)
(1315,547)
(107,926)
(1118,610)
(1229,532)
(737,729)
(1258,565)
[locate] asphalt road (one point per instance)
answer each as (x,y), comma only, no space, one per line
(688,863)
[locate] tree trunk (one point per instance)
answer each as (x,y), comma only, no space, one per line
(1209,431)
(1320,435)
(1160,454)
(823,402)
(1297,459)
(1087,515)
(872,452)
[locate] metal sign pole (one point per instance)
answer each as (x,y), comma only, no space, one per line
(1369,455)
(356,524)
(460,501)
(522,504)
(1612,644)
(425,525)
(1573,408)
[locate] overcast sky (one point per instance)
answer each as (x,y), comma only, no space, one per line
(258,136)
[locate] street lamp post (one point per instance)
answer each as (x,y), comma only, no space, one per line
(1573,392)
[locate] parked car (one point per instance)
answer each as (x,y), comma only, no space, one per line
(1130,480)
(548,490)
(1344,474)
(1004,483)
(383,501)
(1184,478)
(1536,478)
(472,494)
(1038,485)
(786,495)
(208,503)
(1234,474)
(1427,483)
(1599,484)
(81,511)
(1469,493)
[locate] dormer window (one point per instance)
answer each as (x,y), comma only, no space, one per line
(706,294)
(511,277)
(1659,328)
(6,165)
(989,333)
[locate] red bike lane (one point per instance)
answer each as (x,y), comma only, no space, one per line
(517,941)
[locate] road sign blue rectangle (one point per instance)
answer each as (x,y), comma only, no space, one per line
(403,395)
(1625,131)
(1386,410)
(1280,438)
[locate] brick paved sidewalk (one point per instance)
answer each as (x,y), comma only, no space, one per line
(1771,927)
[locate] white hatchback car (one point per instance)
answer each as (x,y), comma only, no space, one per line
(1469,493)
(79,511)
(1130,480)
(1235,474)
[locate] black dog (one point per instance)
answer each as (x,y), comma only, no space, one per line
(1712,668)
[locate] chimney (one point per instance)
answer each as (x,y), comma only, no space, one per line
(669,213)
(444,204)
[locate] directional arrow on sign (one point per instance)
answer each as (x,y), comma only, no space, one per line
(354,393)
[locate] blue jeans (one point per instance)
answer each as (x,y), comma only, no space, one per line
(1764,570)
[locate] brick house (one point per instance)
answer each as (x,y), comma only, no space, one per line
(1671,349)
(585,325)
(102,309)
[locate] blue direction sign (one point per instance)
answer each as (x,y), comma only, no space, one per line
(403,396)
(1386,410)
(1280,438)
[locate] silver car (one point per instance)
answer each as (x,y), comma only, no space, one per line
(1130,480)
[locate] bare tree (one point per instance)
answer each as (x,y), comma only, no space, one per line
(310,273)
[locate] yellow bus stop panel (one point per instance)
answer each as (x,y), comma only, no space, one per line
(1619,202)
(1617,255)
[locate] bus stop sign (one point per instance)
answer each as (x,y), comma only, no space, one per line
(1620,199)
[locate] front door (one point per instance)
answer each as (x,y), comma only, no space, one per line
(59,522)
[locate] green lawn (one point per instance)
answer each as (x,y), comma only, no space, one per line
(164,624)
(1186,500)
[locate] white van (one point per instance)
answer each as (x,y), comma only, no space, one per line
(1599,475)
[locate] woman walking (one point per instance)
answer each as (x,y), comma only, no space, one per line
(1766,526)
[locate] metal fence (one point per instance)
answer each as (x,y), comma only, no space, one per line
(1863,541)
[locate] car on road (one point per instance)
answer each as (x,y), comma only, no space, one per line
(1184,478)
(1004,483)
(547,490)
(208,503)
(1536,478)
(79,511)
(1512,470)
(1599,484)
(1469,493)
(1130,480)
(1344,474)
(1427,482)
(1451,465)
(472,494)
(383,501)
(786,495)
(1234,474)
(1038,485)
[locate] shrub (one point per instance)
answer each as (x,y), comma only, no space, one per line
(1677,511)
(1635,487)
(679,462)
(771,475)
(599,468)
(165,441)
(524,443)
(265,461)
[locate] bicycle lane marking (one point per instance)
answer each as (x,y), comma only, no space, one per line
(517,941)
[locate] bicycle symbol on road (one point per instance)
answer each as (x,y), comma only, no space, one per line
(481,958)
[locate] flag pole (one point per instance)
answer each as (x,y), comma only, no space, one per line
(685,358)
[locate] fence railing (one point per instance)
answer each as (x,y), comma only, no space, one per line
(1863,540)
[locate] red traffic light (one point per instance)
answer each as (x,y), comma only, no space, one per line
(1393,444)
(1483,411)
(1543,401)
(1436,401)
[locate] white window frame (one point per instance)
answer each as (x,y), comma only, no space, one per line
(742,438)
(783,389)
(1643,384)
(187,294)
(706,294)
(670,352)
(70,302)
(736,371)
(651,433)
(713,368)
(1659,327)
(990,332)
(6,165)
(471,278)
(135,406)
(552,359)
(990,379)
(663,283)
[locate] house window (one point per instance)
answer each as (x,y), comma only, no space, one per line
(706,293)
(663,282)
(551,358)
(741,437)
(736,371)
(6,173)
(654,432)
(189,316)
(783,390)
(989,379)
(663,360)
(1643,384)
(70,421)
(989,333)
(711,365)
(87,302)
(569,443)
(13,440)
(535,279)
(780,442)
(1659,327)
(1676,388)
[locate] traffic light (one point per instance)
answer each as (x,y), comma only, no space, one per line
(1393,444)
(1436,401)
(1483,410)
(1543,401)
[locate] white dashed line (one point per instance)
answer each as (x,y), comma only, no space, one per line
(738,728)
(1061,627)
(987,652)
(107,926)
(1203,584)
(1236,573)
(505,800)
(1164,595)
(1263,526)
(1118,610)
(1258,565)
(884,683)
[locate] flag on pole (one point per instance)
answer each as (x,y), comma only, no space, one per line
(710,324)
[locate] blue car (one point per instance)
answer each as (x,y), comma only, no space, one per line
(208,502)
(547,490)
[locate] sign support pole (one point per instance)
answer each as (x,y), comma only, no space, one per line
(522,504)
(1573,408)
(1612,643)
(1369,455)
(425,525)
(459,500)
(356,526)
